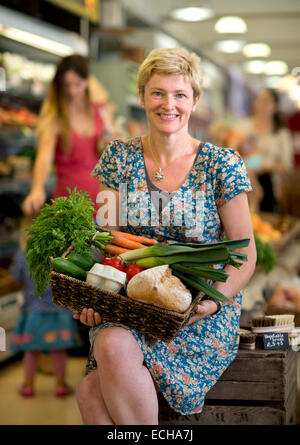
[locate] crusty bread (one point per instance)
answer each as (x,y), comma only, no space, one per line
(158,286)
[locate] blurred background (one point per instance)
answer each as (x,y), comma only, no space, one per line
(245,48)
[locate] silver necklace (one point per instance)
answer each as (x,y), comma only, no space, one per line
(159,175)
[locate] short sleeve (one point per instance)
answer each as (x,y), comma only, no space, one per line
(111,167)
(230,177)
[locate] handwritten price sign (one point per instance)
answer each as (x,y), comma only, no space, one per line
(276,340)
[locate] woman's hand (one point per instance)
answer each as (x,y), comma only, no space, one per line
(203,309)
(88,317)
(33,202)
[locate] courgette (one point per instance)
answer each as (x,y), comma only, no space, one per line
(65,267)
(81,261)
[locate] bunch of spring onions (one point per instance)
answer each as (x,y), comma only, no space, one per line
(192,262)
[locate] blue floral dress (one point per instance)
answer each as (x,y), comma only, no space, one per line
(186,368)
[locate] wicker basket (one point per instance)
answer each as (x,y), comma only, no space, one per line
(153,321)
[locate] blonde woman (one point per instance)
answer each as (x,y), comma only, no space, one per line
(126,367)
(70,128)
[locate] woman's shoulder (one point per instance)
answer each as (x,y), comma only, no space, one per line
(214,152)
(124,146)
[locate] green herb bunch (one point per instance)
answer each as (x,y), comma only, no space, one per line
(266,255)
(66,221)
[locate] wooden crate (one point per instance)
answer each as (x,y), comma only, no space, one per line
(258,388)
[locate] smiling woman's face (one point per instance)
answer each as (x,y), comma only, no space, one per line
(168,101)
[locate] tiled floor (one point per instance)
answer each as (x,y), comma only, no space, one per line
(44,408)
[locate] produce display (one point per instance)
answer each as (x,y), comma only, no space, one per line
(265,235)
(264,229)
(138,266)
(20,116)
(286,295)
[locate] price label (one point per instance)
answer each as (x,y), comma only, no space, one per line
(276,340)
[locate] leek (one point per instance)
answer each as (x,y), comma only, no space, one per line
(204,257)
(162,250)
(231,244)
(202,271)
(200,285)
(158,249)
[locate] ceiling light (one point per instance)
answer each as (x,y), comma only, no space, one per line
(231,24)
(36,41)
(276,68)
(33,32)
(192,14)
(255,66)
(230,46)
(256,50)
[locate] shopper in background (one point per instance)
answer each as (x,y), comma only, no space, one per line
(267,149)
(223,134)
(41,327)
(71,132)
(126,367)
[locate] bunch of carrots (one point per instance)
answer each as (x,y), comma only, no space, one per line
(124,242)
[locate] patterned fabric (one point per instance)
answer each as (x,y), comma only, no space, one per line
(186,368)
(20,273)
(41,325)
(37,331)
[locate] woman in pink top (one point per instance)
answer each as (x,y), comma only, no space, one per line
(68,132)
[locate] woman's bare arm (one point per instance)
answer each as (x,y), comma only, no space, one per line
(41,170)
(236,220)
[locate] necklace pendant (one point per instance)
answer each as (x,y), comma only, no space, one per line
(159,175)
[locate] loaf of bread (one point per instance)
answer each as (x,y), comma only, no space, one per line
(160,287)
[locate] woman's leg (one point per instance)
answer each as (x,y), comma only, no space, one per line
(30,361)
(126,384)
(90,401)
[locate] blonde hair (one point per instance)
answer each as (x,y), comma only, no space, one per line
(171,61)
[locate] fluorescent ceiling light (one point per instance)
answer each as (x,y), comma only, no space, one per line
(254,66)
(36,41)
(230,46)
(276,68)
(231,24)
(192,14)
(33,32)
(256,50)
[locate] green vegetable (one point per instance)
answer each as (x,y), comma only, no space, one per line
(203,256)
(66,267)
(191,262)
(81,261)
(66,221)
(266,255)
(202,271)
(199,284)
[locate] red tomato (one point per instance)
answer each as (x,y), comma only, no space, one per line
(132,270)
(113,262)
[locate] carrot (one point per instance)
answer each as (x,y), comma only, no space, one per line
(126,243)
(137,238)
(115,250)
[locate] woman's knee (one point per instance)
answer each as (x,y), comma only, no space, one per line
(87,387)
(115,346)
